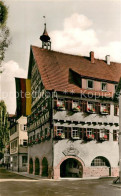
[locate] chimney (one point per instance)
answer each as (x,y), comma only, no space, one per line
(92,57)
(107,59)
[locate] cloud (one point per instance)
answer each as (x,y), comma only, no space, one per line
(11,70)
(79,37)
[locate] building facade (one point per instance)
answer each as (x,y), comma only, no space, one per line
(74,125)
(18,144)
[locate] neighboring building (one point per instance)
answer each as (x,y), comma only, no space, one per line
(73,128)
(120,138)
(18,144)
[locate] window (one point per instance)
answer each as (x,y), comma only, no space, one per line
(90,134)
(24,142)
(91,107)
(75,106)
(24,160)
(90,84)
(75,133)
(116,110)
(104,134)
(105,108)
(115,135)
(104,86)
(38,135)
(60,132)
(60,104)
(100,161)
(23,127)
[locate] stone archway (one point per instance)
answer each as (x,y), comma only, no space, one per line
(44,167)
(37,166)
(31,166)
(101,162)
(71,167)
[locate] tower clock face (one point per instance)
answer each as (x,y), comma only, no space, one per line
(3,13)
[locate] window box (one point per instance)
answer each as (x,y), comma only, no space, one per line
(91,137)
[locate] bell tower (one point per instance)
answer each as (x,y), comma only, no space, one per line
(46,43)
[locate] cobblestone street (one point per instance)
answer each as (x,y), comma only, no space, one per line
(14,185)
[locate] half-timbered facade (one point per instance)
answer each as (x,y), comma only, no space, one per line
(74,124)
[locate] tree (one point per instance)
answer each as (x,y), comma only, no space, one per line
(4,132)
(4,31)
(3,13)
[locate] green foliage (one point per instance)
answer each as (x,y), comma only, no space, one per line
(4,134)
(4,42)
(3,13)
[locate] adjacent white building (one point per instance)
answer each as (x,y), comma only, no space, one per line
(18,144)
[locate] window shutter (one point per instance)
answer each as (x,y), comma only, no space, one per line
(55,103)
(107,132)
(83,106)
(68,132)
(66,104)
(115,110)
(108,105)
(97,107)
(80,133)
(97,134)
(69,105)
(55,131)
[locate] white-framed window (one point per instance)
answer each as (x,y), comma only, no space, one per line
(104,134)
(104,108)
(60,103)
(90,84)
(75,105)
(60,131)
(104,86)
(91,107)
(90,133)
(75,133)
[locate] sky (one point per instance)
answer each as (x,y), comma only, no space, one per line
(75,27)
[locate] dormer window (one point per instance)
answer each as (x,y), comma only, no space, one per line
(104,86)
(90,84)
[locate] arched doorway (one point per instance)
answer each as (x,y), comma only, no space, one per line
(37,166)
(71,168)
(44,167)
(101,162)
(31,166)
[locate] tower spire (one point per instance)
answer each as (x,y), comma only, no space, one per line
(46,43)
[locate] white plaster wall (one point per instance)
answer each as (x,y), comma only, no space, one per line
(88,151)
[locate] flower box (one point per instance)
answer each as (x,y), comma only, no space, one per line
(61,107)
(76,109)
(91,110)
(91,137)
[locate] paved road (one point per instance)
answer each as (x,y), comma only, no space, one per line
(27,187)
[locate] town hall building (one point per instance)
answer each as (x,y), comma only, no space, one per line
(74,122)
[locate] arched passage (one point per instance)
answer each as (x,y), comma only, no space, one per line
(101,161)
(71,168)
(37,166)
(44,167)
(31,166)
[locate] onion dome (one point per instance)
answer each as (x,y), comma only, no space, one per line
(45,37)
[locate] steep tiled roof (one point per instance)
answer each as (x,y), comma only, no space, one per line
(54,69)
